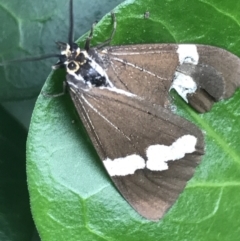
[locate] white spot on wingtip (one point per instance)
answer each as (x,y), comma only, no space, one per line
(159,155)
(124,165)
(183,84)
(187,53)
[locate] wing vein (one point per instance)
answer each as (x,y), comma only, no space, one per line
(100,114)
(138,67)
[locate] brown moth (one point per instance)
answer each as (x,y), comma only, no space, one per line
(121,94)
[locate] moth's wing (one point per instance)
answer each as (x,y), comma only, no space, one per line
(148,71)
(118,134)
(225,63)
(217,75)
(145,70)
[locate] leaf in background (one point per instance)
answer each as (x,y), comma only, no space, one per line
(71,195)
(16,222)
(31,27)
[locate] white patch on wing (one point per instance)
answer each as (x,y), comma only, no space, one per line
(187,53)
(183,84)
(124,165)
(159,155)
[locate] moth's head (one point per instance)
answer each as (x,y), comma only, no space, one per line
(71,58)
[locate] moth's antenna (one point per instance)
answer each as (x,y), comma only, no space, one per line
(46,56)
(70,35)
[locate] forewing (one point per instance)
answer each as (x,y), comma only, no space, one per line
(145,70)
(217,75)
(120,126)
(148,71)
(225,63)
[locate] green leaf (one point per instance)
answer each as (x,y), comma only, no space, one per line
(30,28)
(16,222)
(23,30)
(72,196)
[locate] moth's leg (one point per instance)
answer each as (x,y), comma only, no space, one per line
(108,41)
(88,40)
(64,91)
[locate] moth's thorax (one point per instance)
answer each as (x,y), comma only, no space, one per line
(83,66)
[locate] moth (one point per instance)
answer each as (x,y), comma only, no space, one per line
(121,94)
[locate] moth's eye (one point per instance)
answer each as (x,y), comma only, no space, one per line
(72,66)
